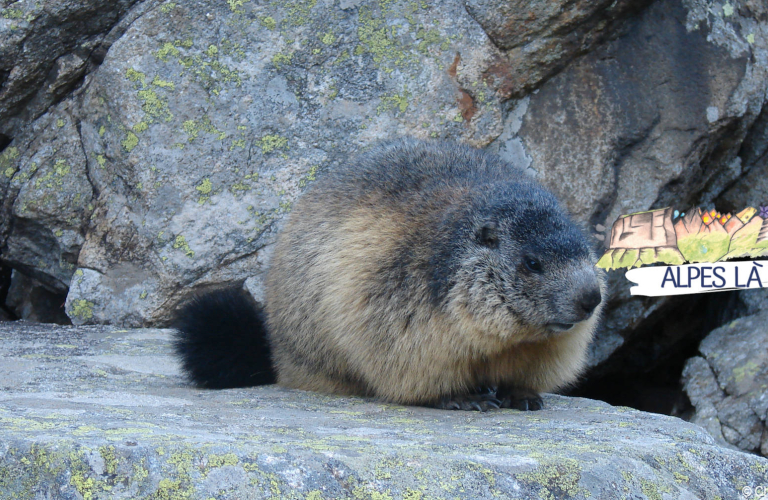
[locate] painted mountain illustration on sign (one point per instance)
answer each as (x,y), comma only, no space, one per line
(666,236)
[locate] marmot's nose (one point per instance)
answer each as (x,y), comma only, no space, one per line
(589,300)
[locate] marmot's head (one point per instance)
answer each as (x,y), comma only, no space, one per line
(519,267)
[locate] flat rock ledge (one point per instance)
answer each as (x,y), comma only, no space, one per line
(97,412)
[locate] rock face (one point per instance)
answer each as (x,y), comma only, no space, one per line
(46,48)
(728,384)
(207,120)
(95,412)
(540,38)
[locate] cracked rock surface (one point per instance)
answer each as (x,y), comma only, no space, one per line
(98,412)
(45,48)
(728,383)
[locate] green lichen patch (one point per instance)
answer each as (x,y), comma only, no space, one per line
(193,128)
(430,37)
(8,161)
(269,143)
(11,13)
(555,478)
(205,66)
(328,38)
(240,187)
(268,22)
(131,141)
(215,461)
(136,76)
(22,472)
(204,188)
(110,459)
(159,82)
(381,41)
(212,51)
(168,489)
(180,243)
(54,178)
(167,51)
(236,5)
(344,56)
(154,107)
(649,489)
(746,371)
(394,101)
(299,11)
(82,309)
(309,177)
(279,59)
(167,7)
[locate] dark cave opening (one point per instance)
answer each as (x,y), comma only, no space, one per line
(645,372)
(6,313)
(4,142)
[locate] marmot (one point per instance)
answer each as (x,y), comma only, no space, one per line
(424,273)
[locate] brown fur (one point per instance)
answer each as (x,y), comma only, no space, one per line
(350,295)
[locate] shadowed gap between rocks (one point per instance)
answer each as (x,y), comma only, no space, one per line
(4,142)
(645,372)
(6,313)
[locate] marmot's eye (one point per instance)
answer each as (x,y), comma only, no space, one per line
(487,236)
(532,264)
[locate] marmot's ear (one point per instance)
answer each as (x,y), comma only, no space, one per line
(487,234)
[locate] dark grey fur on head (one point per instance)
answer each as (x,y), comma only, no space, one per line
(495,200)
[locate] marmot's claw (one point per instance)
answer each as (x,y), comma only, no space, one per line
(519,399)
(468,402)
(523,404)
(485,389)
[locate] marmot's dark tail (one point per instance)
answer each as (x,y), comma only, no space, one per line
(222,340)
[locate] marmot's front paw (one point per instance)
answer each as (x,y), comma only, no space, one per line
(482,401)
(519,399)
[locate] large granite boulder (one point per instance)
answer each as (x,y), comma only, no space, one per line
(728,383)
(206,121)
(95,412)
